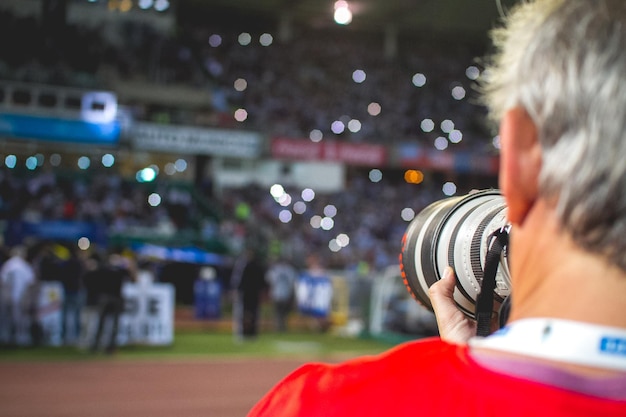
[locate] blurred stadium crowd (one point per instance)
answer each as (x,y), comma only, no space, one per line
(313,84)
(293,88)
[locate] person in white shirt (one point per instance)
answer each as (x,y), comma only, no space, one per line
(17,276)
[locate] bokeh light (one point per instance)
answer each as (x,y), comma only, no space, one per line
(337,127)
(215,40)
(10,161)
(316,135)
(449,188)
(496,142)
(31,163)
(154,199)
(358,76)
(354,125)
(266,39)
(180,165)
(299,207)
(108,160)
(285,216)
(55,159)
(472,72)
(413,176)
(330,210)
(84,162)
(240,84)
(455,136)
(244,39)
(84,243)
(441,143)
(327,223)
(374,109)
(419,80)
(308,194)
(316,221)
(427,125)
(375,175)
(407,214)
(447,126)
(147,174)
(241,115)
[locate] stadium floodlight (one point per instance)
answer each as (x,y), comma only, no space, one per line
(343,14)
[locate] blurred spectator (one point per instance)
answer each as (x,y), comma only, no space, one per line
(248,280)
(89,313)
(17,278)
(105,285)
(281,277)
(47,264)
(71,275)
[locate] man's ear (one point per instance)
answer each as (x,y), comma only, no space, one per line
(520,163)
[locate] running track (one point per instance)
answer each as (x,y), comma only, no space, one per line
(121,388)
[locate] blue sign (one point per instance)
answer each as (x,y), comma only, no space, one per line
(314,295)
(60,230)
(188,254)
(62,130)
(207,299)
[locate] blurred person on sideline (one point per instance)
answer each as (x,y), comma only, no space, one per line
(281,278)
(89,311)
(248,281)
(4,314)
(47,262)
(71,275)
(106,283)
(17,278)
(557,87)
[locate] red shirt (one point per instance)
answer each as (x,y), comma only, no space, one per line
(422,378)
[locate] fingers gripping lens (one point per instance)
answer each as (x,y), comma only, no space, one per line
(455,231)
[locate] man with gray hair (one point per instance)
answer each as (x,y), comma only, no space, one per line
(557,88)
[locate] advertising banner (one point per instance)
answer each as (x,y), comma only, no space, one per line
(416,156)
(195,140)
(333,151)
(148,317)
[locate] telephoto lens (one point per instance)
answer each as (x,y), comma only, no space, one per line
(456,231)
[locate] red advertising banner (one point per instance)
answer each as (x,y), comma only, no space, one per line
(349,153)
(415,156)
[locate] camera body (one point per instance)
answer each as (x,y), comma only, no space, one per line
(457,232)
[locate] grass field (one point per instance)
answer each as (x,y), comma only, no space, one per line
(215,344)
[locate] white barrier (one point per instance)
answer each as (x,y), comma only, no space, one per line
(148,317)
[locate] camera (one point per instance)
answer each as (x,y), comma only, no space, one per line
(470,234)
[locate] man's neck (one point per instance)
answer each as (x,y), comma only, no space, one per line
(553,277)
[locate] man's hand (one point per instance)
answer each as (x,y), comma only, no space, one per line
(454,326)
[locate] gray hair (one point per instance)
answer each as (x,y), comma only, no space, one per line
(564,62)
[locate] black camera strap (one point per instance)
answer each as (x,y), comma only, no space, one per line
(484,303)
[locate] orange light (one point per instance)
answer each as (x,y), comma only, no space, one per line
(413,176)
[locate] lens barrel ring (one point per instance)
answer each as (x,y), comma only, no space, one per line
(451,232)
